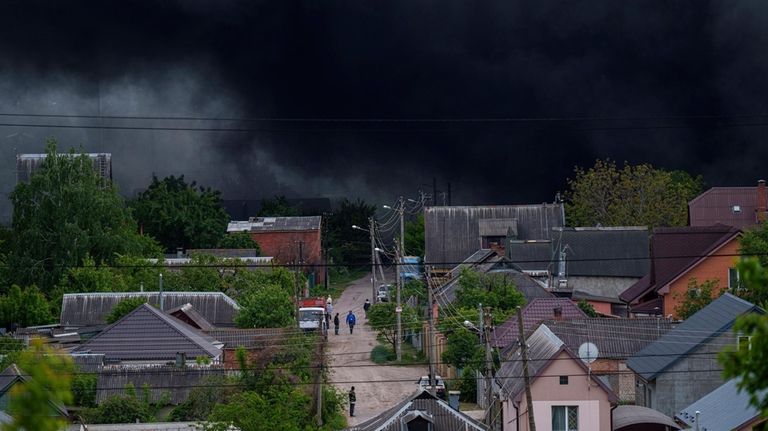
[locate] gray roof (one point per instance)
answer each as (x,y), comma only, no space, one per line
(13,374)
(189,312)
(161,380)
(452,233)
(543,345)
(626,415)
(28,164)
(147,334)
(535,255)
(444,417)
(603,289)
(481,260)
(530,288)
(614,338)
(712,320)
(248,337)
(725,408)
(151,426)
(606,252)
(4,418)
(275,224)
(90,309)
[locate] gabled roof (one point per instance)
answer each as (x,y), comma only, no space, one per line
(543,347)
(275,224)
(535,312)
(147,334)
(709,322)
(716,205)
(187,313)
(13,374)
(91,309)
(444,418)
(482,260)
(534,255)
(614,338)
(525,284)
(675,250)
(725,408)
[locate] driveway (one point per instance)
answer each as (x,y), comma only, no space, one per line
(350,359)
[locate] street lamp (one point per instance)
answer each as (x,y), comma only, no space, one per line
(373,255)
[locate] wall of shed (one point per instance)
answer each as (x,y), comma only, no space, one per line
(712,268)
(284,248)
(546,392)
(689,379)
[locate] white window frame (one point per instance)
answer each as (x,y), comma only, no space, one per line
(733,270)
(739,338)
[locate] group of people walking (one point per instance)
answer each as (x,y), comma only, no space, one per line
(351,319)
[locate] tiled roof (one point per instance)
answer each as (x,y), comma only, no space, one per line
(147,334)
(90,309)
(535,312)
(674,251)
(443,416)
(275,224)
(716,205)
(248,338)
(614,338)
(725,408)
(710,321)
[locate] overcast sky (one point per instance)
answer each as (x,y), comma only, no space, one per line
(682,85)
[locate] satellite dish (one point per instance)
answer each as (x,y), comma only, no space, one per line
(588,352)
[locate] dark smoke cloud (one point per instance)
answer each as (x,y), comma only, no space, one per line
(397,59)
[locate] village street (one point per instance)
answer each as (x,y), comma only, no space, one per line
(350,360)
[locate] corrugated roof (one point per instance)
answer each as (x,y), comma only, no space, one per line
(732,206)
(161,380)
(535,312)
(91,309)
(674,251)
(189,312)
(443,416)
(248,337)
(543,345)
(725,408)
(530,255)
(710,321)
(606,252)
(147,334)
(614,338)
(8,377)
(275,224)
(624,416)
(482,260)
(452,233)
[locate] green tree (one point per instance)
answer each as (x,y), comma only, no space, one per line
(349,246)
(635,195)
(201,400)
(124,307)
(239,240)
(120,409)
(65,213)
(180,214)
(463,349)
(281,407)
(754,242)
(268,307)
(587,308)
(278,206)
(493,290)
(92,278)
(49,377)
(414,236)
(84,389)
(415,288)
(10,348)
(696,296)
(383,320)
(24,307)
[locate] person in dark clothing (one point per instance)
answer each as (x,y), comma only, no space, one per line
(352,400)
(336,323)
(351,321)
(366,307)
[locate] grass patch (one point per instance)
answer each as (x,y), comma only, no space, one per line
(339,282)
(383,354)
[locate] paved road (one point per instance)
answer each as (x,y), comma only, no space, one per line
(350,359)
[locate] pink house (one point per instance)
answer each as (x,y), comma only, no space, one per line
(565,396)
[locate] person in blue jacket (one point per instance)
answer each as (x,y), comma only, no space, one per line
(351,321)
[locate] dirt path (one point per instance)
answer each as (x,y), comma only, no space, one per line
(350,358)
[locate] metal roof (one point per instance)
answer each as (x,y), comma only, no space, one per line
(606,252)
(530,255)
(148,334)
(725,408)
(275,224)
(624,416)
(28,164)
(13,374)
(732,206)
(188,311)
(452,233)
(443,416)
(249,337)
(535,312)
(482,261)
(710,321)
(543,345)
(91,309)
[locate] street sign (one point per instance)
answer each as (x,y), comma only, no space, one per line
(399,310)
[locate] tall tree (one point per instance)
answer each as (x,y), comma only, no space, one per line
(24,307)
(65,213)
(239,240)
(383,320)
(278,207)
(180,214)
(268,307)
(350,246)
(635,195)
(491,290)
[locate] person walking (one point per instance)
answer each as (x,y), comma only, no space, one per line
(336,323)
(352,400)
(328,313)
(351,321)
(366,306)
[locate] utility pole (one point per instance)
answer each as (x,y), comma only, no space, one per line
(526,375)
(432,354)
(373,259)
(399,309)
(319,385)
(487,324)
(160,299)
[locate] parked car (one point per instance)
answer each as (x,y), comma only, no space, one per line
(439,385)
(383,295)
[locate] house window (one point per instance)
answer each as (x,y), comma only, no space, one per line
(488,240)
(563,380)
(744,342)
(736,209)
(733,279)
(565,418)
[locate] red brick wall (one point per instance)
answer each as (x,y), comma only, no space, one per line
(284,248)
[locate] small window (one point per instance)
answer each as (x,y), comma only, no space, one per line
(744,342)
(565,418)
(563,380)
(734,280)
(736,209)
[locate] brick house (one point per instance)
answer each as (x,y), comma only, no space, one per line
(740,207)
(679,255)
(288,240)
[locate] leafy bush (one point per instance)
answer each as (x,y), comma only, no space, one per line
(124,307)
(84,390)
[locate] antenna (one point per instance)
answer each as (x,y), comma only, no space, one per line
(588,352)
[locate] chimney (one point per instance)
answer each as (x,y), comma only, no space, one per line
(180,252)
(761,201)
(558,311)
